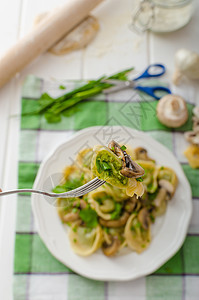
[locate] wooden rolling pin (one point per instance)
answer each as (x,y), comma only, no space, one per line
(43,36)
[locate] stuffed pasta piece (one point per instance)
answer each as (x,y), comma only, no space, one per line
(116,167)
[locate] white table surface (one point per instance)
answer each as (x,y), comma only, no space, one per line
(115,48)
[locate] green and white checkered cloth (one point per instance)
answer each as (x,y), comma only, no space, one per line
(37,274)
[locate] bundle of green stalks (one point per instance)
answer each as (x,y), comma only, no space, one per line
(54,108)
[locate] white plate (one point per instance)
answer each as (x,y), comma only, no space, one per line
(168,232)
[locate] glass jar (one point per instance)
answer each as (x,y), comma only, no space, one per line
(162,15)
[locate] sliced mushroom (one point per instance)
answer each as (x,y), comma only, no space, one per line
(144,218)
(74,216)
(172,111)
(130,168)
(142,154)
(161,196)
(196,124)
(115,223)
(160,202)
(115,147)
(70,217)
(165,193)
(192,137)
(131,204)
(112,248)
(145,198)
(165,184)
(80,203)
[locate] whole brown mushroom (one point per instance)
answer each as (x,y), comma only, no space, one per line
(172,111)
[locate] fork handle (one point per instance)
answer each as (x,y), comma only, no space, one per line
(27,191)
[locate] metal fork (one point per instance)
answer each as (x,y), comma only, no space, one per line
(80,191)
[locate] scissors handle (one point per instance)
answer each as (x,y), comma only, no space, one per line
(151,90)
(149,72)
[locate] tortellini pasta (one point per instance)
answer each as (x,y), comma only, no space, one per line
(85,241)
(137,237)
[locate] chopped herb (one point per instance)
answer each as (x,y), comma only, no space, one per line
(152,218)
(78,203)
(52,117)
(105,166)
(86,198)
(89,216)
(152,196)
(106,229)
(62,87)
(68,185)
(74,210)
(113,148)
(102,166)
(135,213)
(98,165)
(59,189)
(143,246)
(74,240)
(138,225)
(117,211)
(82,177)
(162,168)
(87,230)
(123,148)
(75,229)
(140,179)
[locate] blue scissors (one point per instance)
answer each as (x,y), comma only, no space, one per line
(158,70)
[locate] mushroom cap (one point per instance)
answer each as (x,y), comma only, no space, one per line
(172,111)
(187,63)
